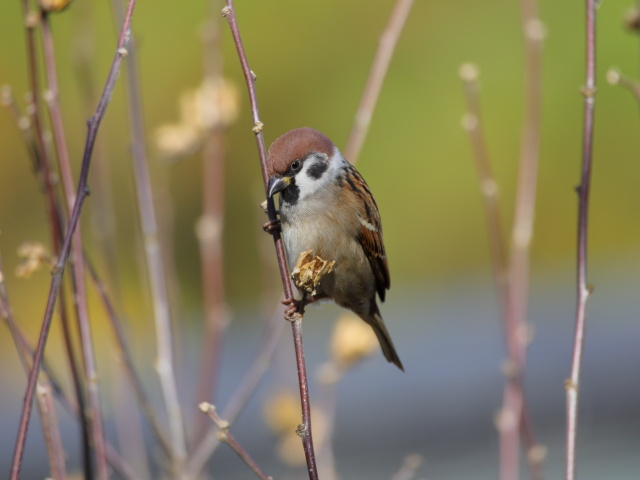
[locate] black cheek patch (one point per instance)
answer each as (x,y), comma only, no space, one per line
(291,194)
(316,170)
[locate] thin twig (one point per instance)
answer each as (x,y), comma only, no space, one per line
(58,270)
(583,290)
(127,359)
(379,69)
(305,430)
(67,402)
(94,417)
(44,397)
(615,77)
(156,273)
(45,177)
(239,399)
(472,123)
(225,436)
(514,414)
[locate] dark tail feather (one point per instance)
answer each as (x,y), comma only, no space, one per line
(384,338)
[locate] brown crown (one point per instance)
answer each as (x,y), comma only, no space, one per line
(295,145)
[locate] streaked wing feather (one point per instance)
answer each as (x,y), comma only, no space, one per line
(370,232)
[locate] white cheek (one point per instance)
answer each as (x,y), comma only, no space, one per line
(310,186)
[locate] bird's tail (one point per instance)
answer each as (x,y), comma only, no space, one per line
(388,349)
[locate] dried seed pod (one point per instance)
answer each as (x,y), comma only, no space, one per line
(309,271)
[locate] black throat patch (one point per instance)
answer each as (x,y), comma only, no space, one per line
(290,195)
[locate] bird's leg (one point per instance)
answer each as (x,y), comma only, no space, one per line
(297,306)
(316,298)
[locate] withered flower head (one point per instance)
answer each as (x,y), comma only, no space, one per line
(309,271)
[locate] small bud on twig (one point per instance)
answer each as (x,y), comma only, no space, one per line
(469,72)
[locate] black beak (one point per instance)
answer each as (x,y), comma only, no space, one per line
(277,184)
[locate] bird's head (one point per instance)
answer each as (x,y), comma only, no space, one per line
(300,163)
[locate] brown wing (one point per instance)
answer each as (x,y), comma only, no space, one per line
(370,231)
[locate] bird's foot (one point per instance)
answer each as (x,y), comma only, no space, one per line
(296,307)
(272,226)
(294,310)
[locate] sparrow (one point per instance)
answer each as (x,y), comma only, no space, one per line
(326,206)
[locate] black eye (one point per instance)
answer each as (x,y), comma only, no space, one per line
(296,165)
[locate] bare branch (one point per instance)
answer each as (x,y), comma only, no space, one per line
(583,290)
(94,418)
(156,272)
(296,325)
(58,270)
(225,436)
(243,392)
(376,77)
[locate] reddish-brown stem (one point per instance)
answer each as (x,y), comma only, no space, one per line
(67,402)
(44,174)
(583,290)
(296,325)
(58,270)
(94,417)
(225,436)
(44,398)
(379,68)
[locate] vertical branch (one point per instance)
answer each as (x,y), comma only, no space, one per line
(583,290)
(157,275)
(472,124)
(56,234)
(379,69)
(210,226)
(512,278)
(304,431)
(514,414)
(58,270)
(94,418)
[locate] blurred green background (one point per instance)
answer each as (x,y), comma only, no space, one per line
(311,60)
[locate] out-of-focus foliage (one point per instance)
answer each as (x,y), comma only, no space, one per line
(311,61)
